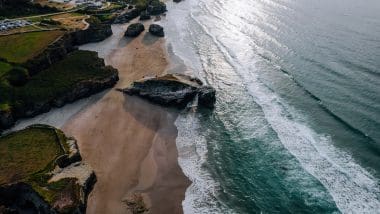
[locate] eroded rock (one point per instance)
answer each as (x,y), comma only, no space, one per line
(173,90)
(134,30)
(156,30)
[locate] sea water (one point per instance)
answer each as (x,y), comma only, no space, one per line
(296,126)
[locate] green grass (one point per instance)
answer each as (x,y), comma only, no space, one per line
(29,156)
(105,17)
(4,68)
(5,107)
(27,152)
(26,45)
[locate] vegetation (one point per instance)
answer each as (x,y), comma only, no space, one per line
(57,80)
(4,68)
(18,76)
(143,4)
(62,76)
(105,17)
(29,156)
(26,153)
(140,4)
(27,45)
(20,8)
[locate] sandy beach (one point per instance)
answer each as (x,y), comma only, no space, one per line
(129,142)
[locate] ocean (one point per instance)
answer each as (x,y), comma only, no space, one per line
(296,127)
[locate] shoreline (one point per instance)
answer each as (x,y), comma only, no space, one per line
(130,143)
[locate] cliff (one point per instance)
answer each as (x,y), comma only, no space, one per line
(67,43)
(80,74)
(43,173)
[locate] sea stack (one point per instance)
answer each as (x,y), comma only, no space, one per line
(134,30)
(156,30)
(173,90)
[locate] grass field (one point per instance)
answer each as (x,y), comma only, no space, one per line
(19,48)
(4,68)
(29,156)
(27,152)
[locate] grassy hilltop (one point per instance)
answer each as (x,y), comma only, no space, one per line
(26,45)
(28,157)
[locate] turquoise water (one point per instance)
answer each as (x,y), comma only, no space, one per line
(296,128)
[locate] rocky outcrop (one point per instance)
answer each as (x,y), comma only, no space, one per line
(173,90)
(96,32)
(156,7)
(72,155)
(134,30)
(22,198)
(153,7)
(206,96)
(128,16)
(6,119)
(82,89)
(144,15)
(156,30)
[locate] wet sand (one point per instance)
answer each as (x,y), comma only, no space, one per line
(129,142)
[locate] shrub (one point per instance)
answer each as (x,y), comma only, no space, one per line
(50,22)
(18,76)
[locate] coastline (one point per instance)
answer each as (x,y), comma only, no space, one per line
(131,144)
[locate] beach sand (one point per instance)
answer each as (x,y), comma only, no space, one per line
(129,142)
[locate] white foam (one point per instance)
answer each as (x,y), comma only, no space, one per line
(200,196)
(353,189)
(192,147)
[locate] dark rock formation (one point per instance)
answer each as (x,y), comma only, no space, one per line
(144,15)
(80,90)
(173,90)
(156,7)
(96,32)
(134,30)
(126,17)
(71,157)
(206,96)
(156,30)
(177,1)
(6,119)
(21,198)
